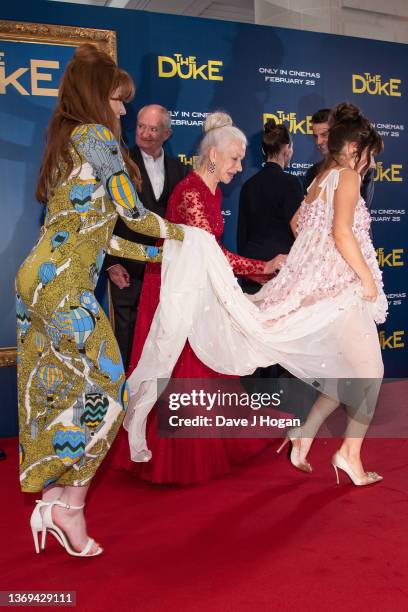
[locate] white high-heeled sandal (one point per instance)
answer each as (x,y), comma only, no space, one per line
(49,525)
(36,524)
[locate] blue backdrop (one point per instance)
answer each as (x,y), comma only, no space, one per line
(193,66)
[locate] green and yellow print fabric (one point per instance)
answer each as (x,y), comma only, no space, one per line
(71,383)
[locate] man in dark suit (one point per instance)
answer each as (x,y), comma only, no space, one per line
(160,174)
(320,128)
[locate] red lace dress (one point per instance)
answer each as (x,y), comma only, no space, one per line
(186,461)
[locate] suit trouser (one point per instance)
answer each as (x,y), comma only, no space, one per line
(125,304)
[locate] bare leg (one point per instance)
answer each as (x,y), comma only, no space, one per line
(362,346)
(350,450)
(52,493)
(71,521)
(353,440)
(321,409)
(359,397)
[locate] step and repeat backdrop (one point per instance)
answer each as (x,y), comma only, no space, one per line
(194,66)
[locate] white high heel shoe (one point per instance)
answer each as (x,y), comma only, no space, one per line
(49,525)
(339,463)
(292,436)
(36,524)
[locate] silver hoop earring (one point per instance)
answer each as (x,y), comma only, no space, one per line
(211,167)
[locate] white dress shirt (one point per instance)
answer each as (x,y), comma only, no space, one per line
(155,171)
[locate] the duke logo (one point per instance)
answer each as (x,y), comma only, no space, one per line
(391,174)
(301,126)
(36,89)
(374,85)
(394,341)
(188,161)
(393,259)
(188,68)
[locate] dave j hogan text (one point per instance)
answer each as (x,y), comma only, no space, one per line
(257,420)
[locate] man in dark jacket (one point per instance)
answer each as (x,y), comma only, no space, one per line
(160,174)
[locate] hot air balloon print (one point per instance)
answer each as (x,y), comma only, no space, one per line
(83,324)
(81,197)
(95,268)
(99,259)
(77,323)
(34,429)
(96,407)
(152,251)
(122,192)
(21,454)
(102,133)
(49,482)
(50,377)
(46,272)
(93,274)
(88,301)
(69,443)
(23,320)
(113,370)
(54,335)
(59,239)
(40,343)
(124,395)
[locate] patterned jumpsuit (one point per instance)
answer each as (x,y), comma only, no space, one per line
(71,383)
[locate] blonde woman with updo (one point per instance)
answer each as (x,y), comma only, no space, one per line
(196,201)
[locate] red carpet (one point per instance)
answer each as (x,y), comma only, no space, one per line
(267,537)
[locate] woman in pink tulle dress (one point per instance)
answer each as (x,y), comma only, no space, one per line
(195,201)
(345,258)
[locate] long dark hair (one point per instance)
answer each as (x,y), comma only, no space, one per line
(348,124)
(88,82)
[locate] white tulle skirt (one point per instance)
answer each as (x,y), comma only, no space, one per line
(332,339)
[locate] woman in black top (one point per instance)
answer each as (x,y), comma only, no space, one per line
(268,204)
(269,201)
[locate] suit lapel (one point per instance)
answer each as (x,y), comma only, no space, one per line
(167,179)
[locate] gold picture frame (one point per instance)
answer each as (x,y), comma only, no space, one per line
(8,356)
(21,31)
(62,35)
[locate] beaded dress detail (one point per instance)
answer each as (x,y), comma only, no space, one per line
(315,269)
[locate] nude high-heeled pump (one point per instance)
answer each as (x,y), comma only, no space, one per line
(340,463)
(49,525)
(300,464)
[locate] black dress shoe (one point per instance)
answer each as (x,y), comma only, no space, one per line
(2,454)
